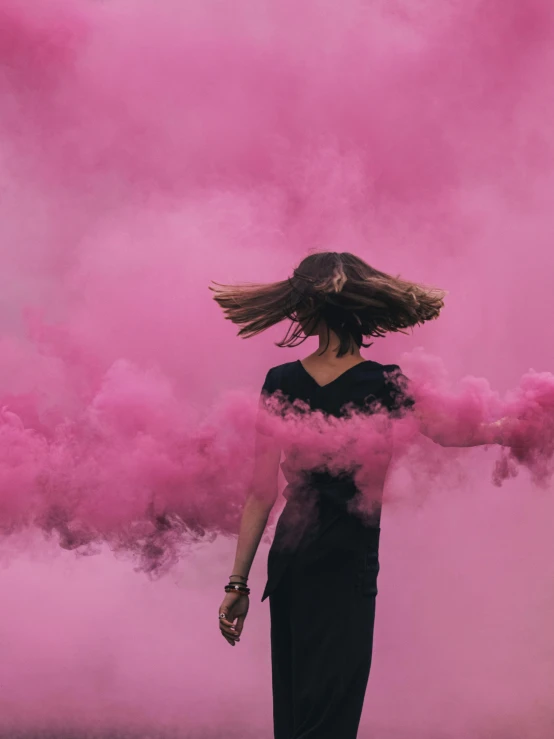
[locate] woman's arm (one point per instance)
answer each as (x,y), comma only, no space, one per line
(260,499)
(443,429)
(448,432)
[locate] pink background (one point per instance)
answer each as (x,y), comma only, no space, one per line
(146,149)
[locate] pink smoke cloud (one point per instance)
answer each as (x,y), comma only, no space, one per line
(145,151)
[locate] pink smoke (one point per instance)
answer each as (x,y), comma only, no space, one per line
(145,151)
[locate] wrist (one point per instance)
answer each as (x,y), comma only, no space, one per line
(238,578)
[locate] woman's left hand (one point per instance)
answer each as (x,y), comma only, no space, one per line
(234,606)
(507,430)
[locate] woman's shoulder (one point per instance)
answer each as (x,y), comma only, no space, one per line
(398,388)
(377,366)
(278,375)
(391,386)
(382,372)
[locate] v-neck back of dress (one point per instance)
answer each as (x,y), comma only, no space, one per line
(343,374)
(361,385)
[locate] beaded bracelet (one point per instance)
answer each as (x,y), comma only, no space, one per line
(237,586)
(240,589)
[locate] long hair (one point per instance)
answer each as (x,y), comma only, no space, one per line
(351,298)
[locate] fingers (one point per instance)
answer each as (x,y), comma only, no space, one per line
(240,623)
(228,630)
(227,626)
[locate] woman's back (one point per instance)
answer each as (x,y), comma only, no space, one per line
(361,384)
(322,498)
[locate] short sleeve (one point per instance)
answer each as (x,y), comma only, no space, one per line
(268,388)
(398,396)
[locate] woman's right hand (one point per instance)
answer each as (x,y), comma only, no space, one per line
(234,606)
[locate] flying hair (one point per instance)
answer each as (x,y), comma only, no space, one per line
(353,299)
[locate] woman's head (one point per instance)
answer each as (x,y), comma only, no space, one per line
(335,291)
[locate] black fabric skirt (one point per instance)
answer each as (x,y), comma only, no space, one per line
(322,593)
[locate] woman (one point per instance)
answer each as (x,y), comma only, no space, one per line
(322,589)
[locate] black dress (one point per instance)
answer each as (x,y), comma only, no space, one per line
(322,587)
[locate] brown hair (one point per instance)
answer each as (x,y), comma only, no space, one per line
(352,298)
